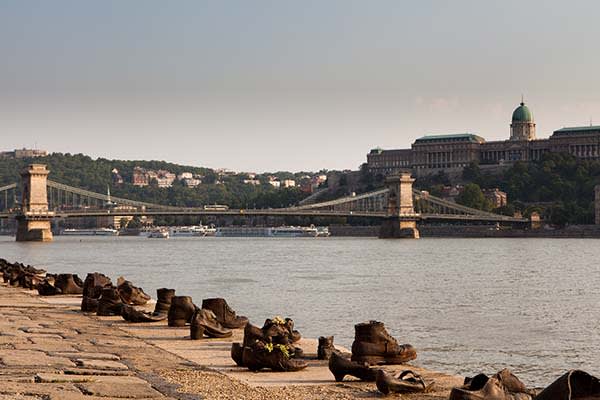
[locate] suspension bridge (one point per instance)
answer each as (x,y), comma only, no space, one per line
(398,205)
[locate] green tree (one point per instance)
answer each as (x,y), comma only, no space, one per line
(473,197)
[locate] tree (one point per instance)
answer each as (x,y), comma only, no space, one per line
(473,197)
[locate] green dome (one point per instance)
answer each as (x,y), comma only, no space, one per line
(522,114)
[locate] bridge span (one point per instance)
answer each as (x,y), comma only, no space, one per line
(397,205)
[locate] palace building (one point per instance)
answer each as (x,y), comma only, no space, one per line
(451,153)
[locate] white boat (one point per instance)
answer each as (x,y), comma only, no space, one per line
(159,234)
(295,231)
(187,231)
(90,232)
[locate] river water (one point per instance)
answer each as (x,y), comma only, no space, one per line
(467,305)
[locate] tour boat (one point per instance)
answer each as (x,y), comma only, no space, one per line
(295,231)
(187,231)
(161,234)
(90,232)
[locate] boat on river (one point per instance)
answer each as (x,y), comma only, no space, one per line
(90,232)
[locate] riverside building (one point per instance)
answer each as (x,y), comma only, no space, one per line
(450,153)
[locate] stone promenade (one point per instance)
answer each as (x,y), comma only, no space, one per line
(50,350)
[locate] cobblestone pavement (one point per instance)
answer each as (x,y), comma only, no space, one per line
(50,350)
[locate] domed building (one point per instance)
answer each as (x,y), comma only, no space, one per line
(522,126)
(450,153)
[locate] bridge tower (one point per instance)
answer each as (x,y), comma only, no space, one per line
(401,219)
(33,224)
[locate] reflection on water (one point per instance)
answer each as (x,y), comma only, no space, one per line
(468,305)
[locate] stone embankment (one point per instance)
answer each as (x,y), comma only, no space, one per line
(50,350)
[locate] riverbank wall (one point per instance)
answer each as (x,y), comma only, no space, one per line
(475,231)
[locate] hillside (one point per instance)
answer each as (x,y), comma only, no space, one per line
(95,174)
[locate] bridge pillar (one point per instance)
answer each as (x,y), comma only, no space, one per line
(401,219)
(33,224)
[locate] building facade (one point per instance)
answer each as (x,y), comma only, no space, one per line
(451,153)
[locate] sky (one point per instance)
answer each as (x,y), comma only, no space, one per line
(269,85)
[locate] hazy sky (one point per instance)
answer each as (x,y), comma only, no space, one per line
(272,85)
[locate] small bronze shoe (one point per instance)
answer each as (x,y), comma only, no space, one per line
(404,382)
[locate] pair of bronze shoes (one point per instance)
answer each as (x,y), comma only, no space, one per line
(260,355)
(503,385)
(205,323)
(404,382)
(163,303)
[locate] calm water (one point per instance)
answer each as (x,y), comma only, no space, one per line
(468,305)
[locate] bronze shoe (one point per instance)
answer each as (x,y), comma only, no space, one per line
(163,301)
(211,327)
(181,311)
(69,284)
(109,302)
(575,384)
(340,367)
(270,356)
(131,294)
(131,314)
(374,345)
(325,347)
(404,382)
(224,314)
(501,386)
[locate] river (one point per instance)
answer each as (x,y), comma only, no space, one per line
(467,305)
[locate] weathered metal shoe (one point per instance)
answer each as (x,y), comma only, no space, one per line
(374,345)
(281,330)
(237,353)
(293,334)
(206,322)
(131,294)
(270,356)
(272,333)
(325,347)
(109,302)
(89,304)
(93,284)
(163,301)
(46,288)
(573,385)
(131,314)
(501,386)
(340,367)
(69,284)
(225,315)
(404,382)
(181,311)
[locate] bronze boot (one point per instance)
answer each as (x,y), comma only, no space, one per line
(340,367)
(93,284)
(131,294)
(325,347)
(181,311)
(211,327)
(374,345)
(109,302)
(225,315)
(69,284)
(269,356)
(163,301)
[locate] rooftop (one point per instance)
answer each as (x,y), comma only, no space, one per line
(454,137)
(574,130)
